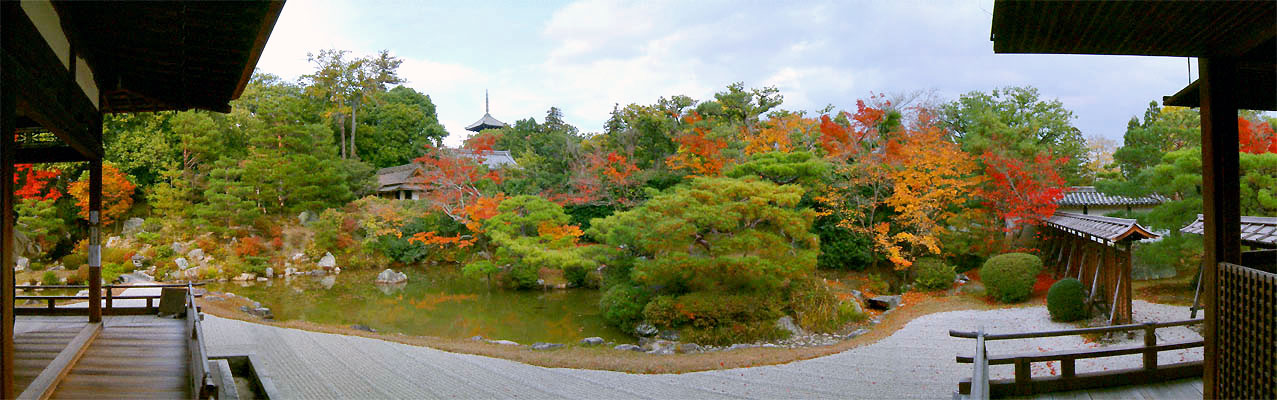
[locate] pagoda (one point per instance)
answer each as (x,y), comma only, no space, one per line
(487,121)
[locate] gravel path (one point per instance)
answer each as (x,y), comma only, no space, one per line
(915,362)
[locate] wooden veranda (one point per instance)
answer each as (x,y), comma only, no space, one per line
(1236,46)
(63,65)
(1097,251)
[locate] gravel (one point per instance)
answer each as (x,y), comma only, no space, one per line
(915,362)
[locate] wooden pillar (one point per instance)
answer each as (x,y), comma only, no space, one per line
(1220,196)
(95,240)
(8,102)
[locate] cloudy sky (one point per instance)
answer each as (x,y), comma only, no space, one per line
(585,56)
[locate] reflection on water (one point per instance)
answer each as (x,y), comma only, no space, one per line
(434,303)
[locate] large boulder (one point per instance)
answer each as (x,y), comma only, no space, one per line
(327,261)
(131,227)
(390,277)
(191,273)
(592,341)
(138,260)
(181,262)
(270,272)
(546,346)
(305,218)
(195,254)
(628,347)
(22,264)
(113,241)
(178,247)
(884,302)
(646,329)
(787,323)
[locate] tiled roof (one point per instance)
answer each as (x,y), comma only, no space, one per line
(485,122)
(1109,228)
(1078,196)
(1256,231)
(400,177)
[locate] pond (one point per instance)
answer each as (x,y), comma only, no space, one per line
(438,302)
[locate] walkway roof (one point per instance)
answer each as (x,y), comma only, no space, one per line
(1256,231)
(1108,228)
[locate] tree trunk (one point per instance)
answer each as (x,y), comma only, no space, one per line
(341,123)
(354,107)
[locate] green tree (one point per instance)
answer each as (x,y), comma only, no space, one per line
(399,125)
(530,233)
(1018,121)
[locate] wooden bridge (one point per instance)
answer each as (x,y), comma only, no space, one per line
(134,352)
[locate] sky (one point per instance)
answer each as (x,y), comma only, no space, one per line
(587,56)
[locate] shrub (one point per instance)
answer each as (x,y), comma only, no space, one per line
(50,278)
(151,238)
(622,305)
(717,319)
(76,259)
(1066,301)
(164,252)
(117,255)
(576,275)
(1009,277)
(249,246)
(933,273)
(522,276)
(816,308)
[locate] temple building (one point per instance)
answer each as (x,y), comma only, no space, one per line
(487,121)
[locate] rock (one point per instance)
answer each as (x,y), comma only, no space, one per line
(669,334)
(390,277)
(364,328)
(328,281)
(270,272)
(22,264)
(316,272)
(689,348)
(739,346)
(476,338)
(645,329)
(884,302)
(196,255)
(787,323)
(258,311)
(181,262)
(131,227)
(769,345)
(191,273)
(592,341)
(305,218)
(328,261)
(178,247)
(297,256)
(546,346)
(962,278)
(262,279)
(112,241)
(857,332)
(244,277)
(138,260)
(505,342)
(660,346)
(337,270)
(58,268)
(628,347)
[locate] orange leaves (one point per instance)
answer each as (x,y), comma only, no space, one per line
(249,246)
(117,194)
(557,231)
(433,239)
(453,177)
(842,142)
(482,209)
(698,152)
(776,134)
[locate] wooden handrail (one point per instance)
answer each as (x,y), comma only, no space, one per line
(1071,332)
(142,285)
(202,386)
(1024,383)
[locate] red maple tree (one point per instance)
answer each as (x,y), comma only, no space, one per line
(1022,192)
(34,183)
(1255,137)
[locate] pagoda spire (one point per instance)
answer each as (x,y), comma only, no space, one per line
(485,122)
(485,101)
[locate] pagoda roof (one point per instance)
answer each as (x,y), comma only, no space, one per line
(487,122)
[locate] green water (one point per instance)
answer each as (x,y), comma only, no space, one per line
(435,303)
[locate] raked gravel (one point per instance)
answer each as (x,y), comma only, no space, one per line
(915,362)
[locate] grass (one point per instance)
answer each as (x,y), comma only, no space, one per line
(1174,291)
(605,358)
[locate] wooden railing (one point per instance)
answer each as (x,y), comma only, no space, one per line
(1025,383)
(202,386)
(109,308)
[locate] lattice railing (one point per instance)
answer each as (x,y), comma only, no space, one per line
(1246,333)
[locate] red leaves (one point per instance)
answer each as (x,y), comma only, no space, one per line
(35,183)
(452,177)
(698,153)
(1022,192)
(842,142)
(1255,138)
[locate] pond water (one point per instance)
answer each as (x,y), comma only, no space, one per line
(438,302)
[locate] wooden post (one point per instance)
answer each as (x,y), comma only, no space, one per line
(8,104)
(1150,340)
(1068,367)
(1220,196)
(95,240)
(1023,374)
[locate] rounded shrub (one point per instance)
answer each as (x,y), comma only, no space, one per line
(932,273)
(1067,300)
(622,305)
(1009,277)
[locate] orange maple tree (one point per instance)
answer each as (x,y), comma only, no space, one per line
(453,178)
(698,153)
(778,133)
(1255,137)
(601,178)
(117,194)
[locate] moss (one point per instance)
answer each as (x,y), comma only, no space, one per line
(1066,300)
(1009,277)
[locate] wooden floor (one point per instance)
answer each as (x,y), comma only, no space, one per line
(134,357)
(37,342)
(1180,389)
